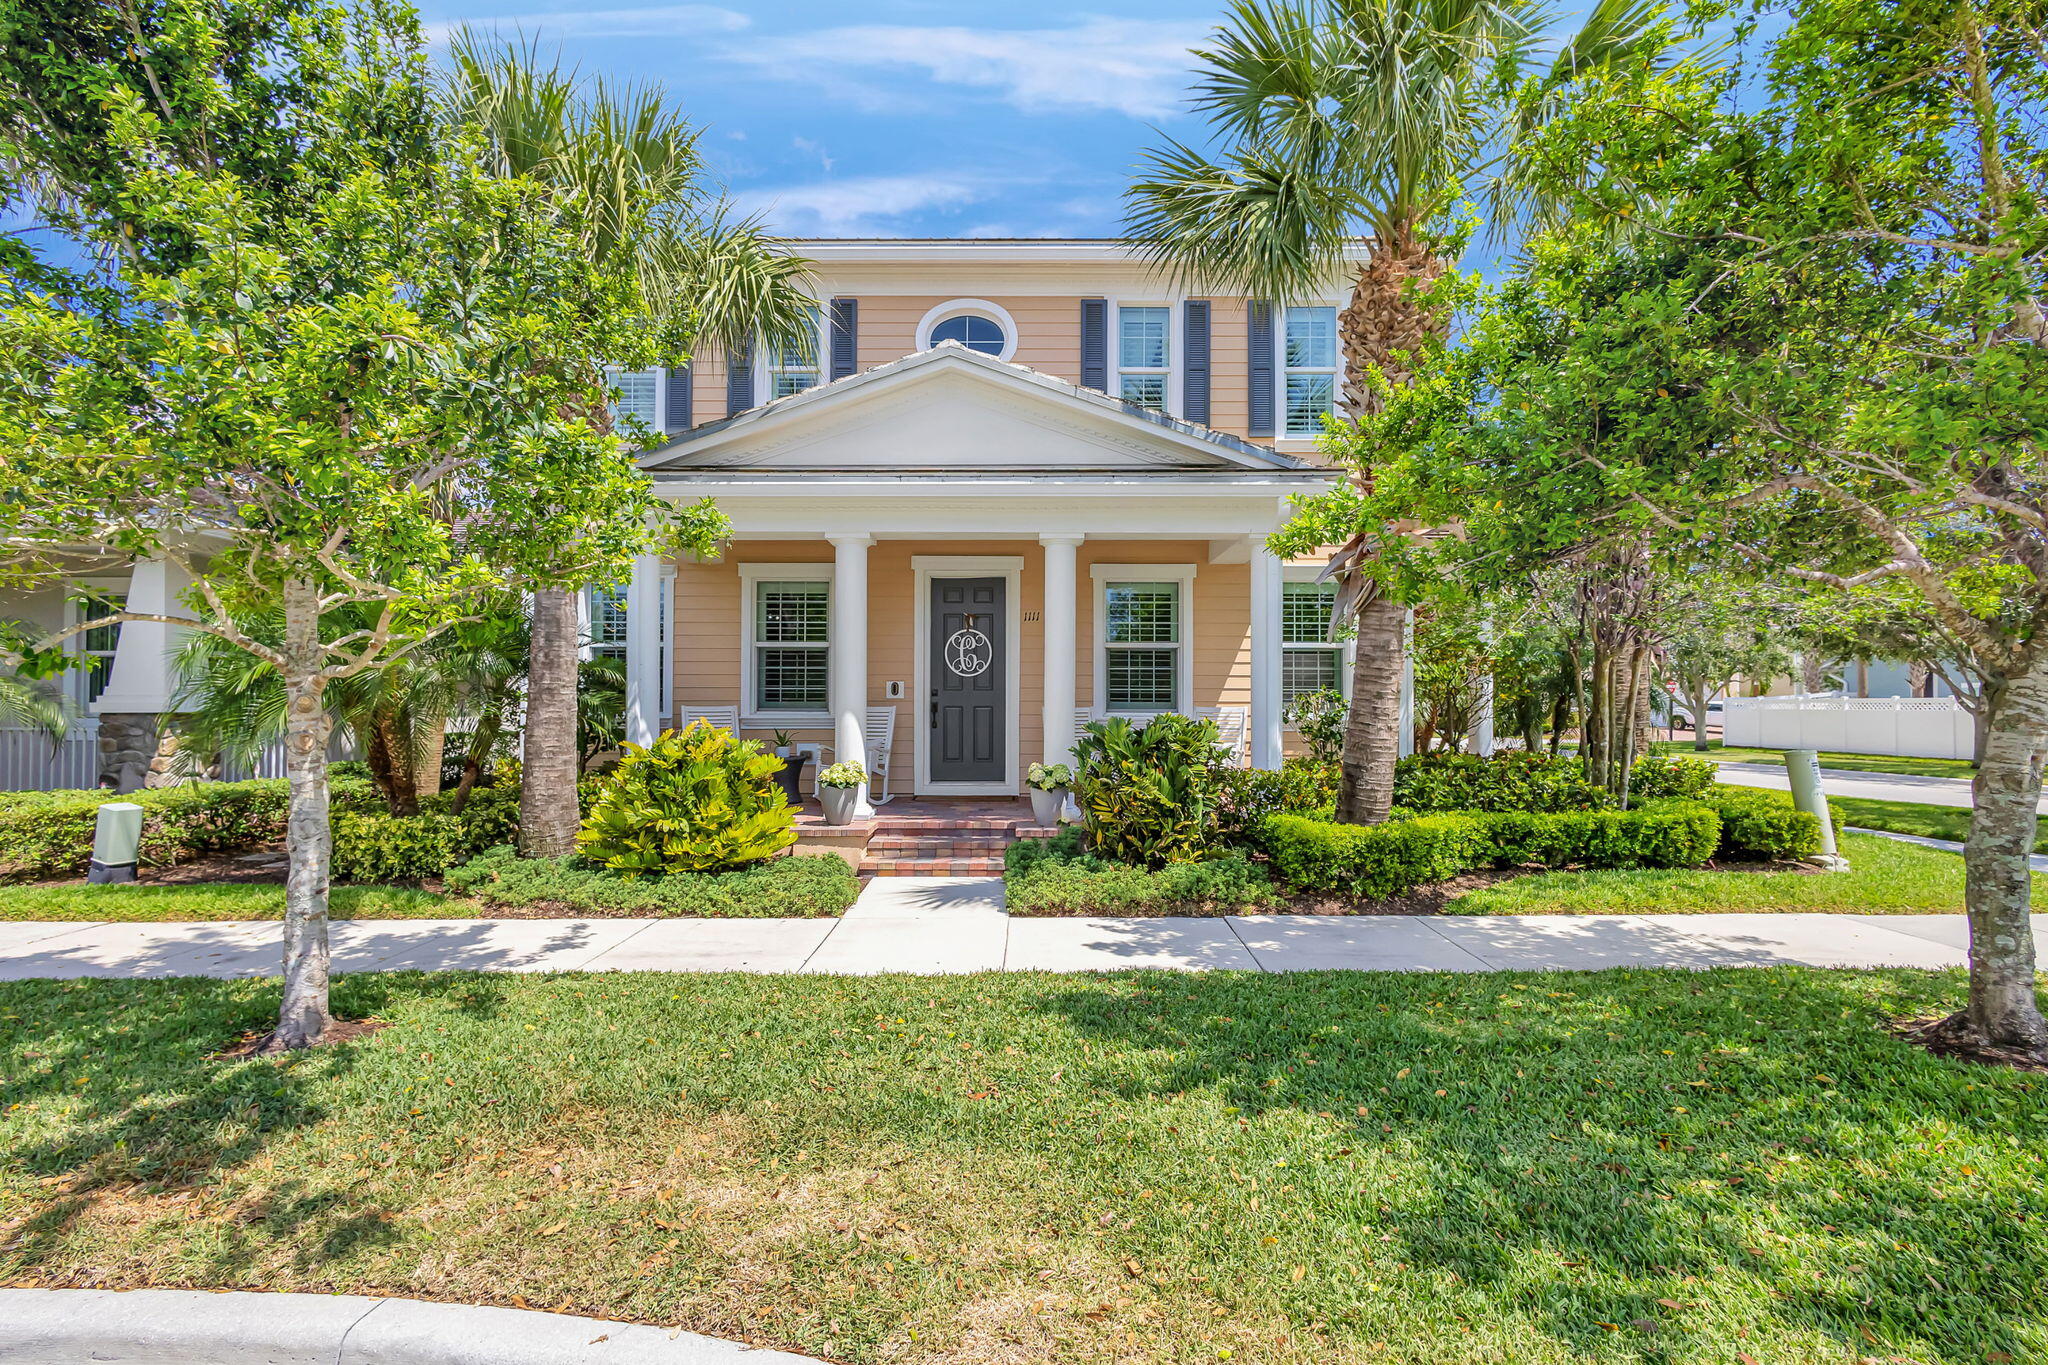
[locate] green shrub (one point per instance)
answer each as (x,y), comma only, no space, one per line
(1511,780)
(1302,786)
(49,834)
(1675,834)
(372,845)
(798,885)
(1058,876)
(1657,777)
(1763,825)
(1373,862)
(1320,717)
(1149,795)
(698,801)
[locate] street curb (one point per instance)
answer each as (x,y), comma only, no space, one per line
(185,1327)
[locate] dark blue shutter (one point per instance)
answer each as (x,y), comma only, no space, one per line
(1095,344)
(845,332)
(680,399)
(1194,384)
(739,379)
(1259,370)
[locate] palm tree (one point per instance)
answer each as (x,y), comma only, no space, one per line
(1342,120)
(30,703)
(625,166)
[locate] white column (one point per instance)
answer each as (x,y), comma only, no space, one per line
(643,651)
(1266,718)
(849,680)
(141,681)
(1060,645)
(1407,706)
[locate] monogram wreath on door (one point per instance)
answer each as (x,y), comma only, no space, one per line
(968,652)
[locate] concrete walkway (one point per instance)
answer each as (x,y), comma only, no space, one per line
(185,1327)
(933,925)
(1928,791)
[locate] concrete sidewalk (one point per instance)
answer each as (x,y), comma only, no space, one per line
(936,925)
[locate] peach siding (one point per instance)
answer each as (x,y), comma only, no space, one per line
(708,621)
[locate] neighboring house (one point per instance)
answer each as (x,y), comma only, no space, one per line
(1016,485)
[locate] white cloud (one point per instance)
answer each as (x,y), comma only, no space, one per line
(1129,66)
(654,21)
(815,149)
(861,206)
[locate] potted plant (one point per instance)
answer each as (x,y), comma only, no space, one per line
(838,789)
(1049,784)
(791,776)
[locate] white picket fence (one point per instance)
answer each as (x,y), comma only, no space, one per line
(29,762)
(1906,727)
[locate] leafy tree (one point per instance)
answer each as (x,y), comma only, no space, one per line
(1820,358)
(622,164)
(1719,634)
(1337,120)
(316,353)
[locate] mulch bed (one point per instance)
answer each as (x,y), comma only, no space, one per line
(1423,900)
(337,1031)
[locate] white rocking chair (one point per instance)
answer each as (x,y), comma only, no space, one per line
(724,717)
(879,731)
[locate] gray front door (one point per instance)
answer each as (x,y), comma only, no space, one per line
(970,704)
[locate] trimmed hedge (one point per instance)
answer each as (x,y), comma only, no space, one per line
(794,885)
(1511,780)
(1764,825)
(372,845)
(49,834)
(1374,862)
(1057,876)
(1656,777)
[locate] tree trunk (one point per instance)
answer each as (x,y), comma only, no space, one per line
(1372,729)
(1812,674)
(1699,698)
(480,746)
(548,814)
(426,775)
(2004,1011)
(391,760)
(1561,712)
(302,1016)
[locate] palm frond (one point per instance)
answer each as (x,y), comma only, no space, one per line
(1258,225)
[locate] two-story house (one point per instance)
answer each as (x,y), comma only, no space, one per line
(1015,485)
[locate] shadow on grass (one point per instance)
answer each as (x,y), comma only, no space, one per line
(1605,1152)
(152,1114)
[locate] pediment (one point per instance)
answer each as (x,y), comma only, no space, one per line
(954,411)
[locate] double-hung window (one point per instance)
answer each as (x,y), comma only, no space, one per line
(1309,359)
(1310,660)
(1144,355)
(793,366)
(96,646)
(1143,663)
(608,623)
(637,398)
(789,645)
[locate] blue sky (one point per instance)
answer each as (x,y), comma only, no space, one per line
(896,117)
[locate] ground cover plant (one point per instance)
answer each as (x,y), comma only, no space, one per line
(1058,876)
(1333,1168)
(141,901)
(791,886)
(1886,877)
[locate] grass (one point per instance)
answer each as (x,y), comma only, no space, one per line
(1911,817)
(1886,877)
(1868,763)
(1155,1169)
(216,901)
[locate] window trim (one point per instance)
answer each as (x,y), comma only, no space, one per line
(1182,575)
(1345,649)
(659,424)
(751,716)
(953,308)
(1281,370)
(1171,376)
(765,368)
(78,678)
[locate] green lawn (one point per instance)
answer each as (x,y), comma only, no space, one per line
(1885,877)
(216,900)
(1622,1167)
(1869,763)
(1911,817)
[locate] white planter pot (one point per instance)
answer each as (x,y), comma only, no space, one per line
(838,803)
(1046,806)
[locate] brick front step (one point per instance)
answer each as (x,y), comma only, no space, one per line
(932,867)
(953,841)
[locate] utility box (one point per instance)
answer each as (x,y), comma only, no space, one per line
(116,840)
(1802,766)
